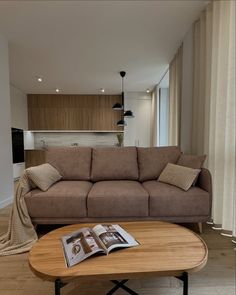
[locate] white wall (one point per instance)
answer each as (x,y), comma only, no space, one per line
(6,172)
(19,113)
(19,119)
(138,129)
(187,93)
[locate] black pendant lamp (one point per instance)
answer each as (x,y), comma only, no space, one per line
(120,107)
(117,107)
(129,114)
(121,123)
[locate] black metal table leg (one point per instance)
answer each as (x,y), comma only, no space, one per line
(121,285)
(185,292)
(184,279)
(116,287)
(58,285)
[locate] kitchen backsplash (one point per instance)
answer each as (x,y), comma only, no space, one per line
(42,140)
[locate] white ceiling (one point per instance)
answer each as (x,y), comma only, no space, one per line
(80,46)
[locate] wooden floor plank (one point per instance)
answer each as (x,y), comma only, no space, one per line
(217,278)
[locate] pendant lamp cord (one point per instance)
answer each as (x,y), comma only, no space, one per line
(123,102)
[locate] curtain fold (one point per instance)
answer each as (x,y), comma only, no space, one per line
(213,122)
(199,85)
(175,82)
(155,117)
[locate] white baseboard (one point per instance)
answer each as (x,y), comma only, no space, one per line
(6,202)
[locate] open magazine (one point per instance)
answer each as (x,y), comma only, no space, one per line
(101,238)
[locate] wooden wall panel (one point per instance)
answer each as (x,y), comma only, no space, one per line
(34,158)
(73,112)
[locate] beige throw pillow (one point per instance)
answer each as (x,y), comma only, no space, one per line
(43,176)
(192,161)
(182,177)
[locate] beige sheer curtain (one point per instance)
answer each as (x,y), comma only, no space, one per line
(202,39)
(175,83)
(214,123)
(155,117)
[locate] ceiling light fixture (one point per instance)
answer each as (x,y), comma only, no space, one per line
(120,106)
(39,79)
(147,90)
(102,90)
(57,90)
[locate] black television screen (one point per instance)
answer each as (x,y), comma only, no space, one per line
(17,145)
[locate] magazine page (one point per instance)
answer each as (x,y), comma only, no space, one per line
(80,245)
(113,236)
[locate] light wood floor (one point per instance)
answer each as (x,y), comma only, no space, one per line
(217,278)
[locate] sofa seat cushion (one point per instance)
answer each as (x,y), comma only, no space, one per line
(168,200)
(114,164)
(63,199)
(121,198)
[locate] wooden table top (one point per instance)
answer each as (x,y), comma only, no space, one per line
(165,250)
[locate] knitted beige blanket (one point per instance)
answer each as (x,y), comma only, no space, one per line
(21,234)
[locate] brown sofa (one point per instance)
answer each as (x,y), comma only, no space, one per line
(100,184)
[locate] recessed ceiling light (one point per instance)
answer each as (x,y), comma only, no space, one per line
(57,90)
(147,90)
(39,79)
(102,90)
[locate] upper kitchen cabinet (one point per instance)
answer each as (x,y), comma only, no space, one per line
(73,112)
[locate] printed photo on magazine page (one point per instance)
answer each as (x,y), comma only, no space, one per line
(101,238)
(80,245)
(114,236)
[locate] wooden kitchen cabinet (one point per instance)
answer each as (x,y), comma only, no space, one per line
(34,158)
(73,112)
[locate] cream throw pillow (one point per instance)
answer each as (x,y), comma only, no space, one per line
(182,177)
(43,176)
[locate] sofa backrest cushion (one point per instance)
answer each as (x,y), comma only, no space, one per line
(114,164)
(191,161)
(153,160)
(73,163)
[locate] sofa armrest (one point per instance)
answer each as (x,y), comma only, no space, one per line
(205,181)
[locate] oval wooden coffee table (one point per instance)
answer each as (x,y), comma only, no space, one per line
(165,250)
